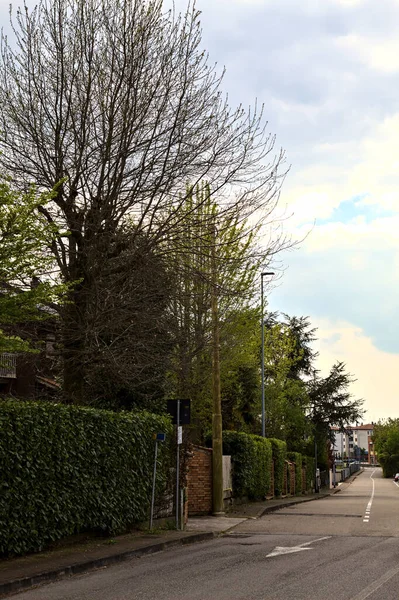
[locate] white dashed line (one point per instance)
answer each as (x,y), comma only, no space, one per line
(366,517)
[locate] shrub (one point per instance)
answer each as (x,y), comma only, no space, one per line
(296,457)
(309,464)
(67,469)
(251,457)
(279,449)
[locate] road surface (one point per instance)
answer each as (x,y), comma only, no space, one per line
(343,547)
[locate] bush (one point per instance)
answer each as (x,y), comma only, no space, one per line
(279,449)
(67,469)
(296,457)
(309,464)
(251,457)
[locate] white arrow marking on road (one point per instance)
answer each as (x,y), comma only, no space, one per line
(279,550)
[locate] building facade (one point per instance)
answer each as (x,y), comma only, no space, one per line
(355,443)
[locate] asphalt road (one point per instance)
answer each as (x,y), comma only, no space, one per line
(344,547)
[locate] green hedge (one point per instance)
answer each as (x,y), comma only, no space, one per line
(309,464)
(251,457)
(68,469)
(279,449)
(296,457)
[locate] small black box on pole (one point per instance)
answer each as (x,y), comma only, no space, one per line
(185,411)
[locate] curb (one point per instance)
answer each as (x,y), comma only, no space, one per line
(301,500)
(270,509)
(24,583)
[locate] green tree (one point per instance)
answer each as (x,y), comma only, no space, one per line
(332,404)
(28,291)
(386,445)
(301,406)
(240,382)
(237,264)
(286,399)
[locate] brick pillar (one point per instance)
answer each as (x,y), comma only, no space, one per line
(199,481)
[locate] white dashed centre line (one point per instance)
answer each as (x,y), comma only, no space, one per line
(366,517)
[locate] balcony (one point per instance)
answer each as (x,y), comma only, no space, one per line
(8,365)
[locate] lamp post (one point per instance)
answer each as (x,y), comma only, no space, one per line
(263,353)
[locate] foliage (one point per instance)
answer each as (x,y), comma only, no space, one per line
(118,101)
(126,325)
(386,445)
(237,263)
(251,457)
(25,240)
(279,450)
(296,457)
(302,406)
(309,464)
(332,403)
(286,398)
(69,469)
(240,383)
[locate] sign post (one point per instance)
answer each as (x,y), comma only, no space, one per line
(180,413)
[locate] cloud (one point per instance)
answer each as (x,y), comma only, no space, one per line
(380,54)
(373,368)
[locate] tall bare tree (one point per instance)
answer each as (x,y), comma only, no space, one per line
(116,99)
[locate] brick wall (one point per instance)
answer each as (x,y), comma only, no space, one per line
(199,481)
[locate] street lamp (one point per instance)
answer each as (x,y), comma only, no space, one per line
(263,354)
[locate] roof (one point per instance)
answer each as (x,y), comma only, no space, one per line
(355,427)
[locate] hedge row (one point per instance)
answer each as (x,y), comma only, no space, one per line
(69,469)
(279,449)
(309,464)
(252,458)
(252,462)
(296,457)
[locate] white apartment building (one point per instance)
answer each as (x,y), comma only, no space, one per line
(355,443)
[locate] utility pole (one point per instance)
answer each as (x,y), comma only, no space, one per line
(263,352)
(217,436)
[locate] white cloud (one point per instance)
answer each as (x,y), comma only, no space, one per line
(374,369)
(367,167)
(377,53)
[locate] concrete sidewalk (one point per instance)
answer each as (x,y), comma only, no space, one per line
(27,571)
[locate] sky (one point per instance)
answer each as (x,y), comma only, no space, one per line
(327,72)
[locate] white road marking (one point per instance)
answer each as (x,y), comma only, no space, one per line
(279,550)
(376,584)
(370,502)
(397,484)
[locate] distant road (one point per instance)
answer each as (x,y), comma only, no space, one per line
(343,547)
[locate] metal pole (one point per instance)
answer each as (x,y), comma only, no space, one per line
(153,484)
(316,484)
(263,362)
(177,465)
(217,422)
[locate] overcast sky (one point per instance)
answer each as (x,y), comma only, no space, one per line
(327,72)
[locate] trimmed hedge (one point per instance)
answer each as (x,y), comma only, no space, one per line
(296,457)
(251,457)
(279,449)
(309,464)
(67,469)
